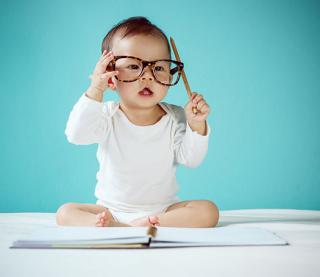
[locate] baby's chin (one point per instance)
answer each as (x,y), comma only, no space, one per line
(138,105)
(144,105)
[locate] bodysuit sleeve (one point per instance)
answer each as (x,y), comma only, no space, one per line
(89,121)
(190,148)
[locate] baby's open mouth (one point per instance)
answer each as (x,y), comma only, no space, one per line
(146,92)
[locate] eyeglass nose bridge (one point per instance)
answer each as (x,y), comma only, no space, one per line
(147,64)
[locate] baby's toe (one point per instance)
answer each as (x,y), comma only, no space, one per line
(100,219)
(154,220)
(99,216)
(104,218)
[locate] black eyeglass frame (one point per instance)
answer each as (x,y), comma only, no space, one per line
(178,69)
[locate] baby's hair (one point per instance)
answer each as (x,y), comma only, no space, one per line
(138,25)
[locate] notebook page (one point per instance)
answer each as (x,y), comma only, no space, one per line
(85,234)
(215,236)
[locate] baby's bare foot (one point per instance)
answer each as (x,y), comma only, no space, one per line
(146,221)
(104,219)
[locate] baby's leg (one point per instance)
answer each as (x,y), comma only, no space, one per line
(76,214)
(196,213)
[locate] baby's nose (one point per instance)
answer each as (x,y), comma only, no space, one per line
(147,74)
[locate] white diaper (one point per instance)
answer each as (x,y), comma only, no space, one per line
(127,217)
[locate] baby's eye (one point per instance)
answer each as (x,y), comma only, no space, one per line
(133,66)
(159,68)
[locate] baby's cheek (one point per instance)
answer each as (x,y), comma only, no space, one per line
(162,89)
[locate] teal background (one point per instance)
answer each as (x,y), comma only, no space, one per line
(256,63)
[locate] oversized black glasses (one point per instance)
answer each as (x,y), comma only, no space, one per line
(166,72)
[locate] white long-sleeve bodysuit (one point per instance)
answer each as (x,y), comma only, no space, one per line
(137,174)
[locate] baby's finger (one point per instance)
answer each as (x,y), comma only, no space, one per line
(200,104)
(104,54)
(193,95)
(205,108)
(102,65)
(197,99)
(108,74)
(107,59)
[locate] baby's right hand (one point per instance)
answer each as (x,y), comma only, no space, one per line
(100,76)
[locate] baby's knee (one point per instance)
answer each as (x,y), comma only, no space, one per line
(210,213)
(63,212)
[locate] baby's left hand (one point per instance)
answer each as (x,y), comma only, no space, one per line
(203,109)
(197,122)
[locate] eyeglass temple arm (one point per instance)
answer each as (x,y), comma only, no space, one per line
(174,70)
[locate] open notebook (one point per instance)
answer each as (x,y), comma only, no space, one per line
(146,237)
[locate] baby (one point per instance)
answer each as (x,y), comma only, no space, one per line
(141,139)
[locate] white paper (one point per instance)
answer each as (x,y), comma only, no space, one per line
(218,236)
(70,234)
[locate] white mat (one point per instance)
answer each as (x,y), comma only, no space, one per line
(301,258)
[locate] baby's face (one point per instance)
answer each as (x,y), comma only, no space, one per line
(147,48)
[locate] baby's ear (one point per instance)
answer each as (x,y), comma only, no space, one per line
(111,84)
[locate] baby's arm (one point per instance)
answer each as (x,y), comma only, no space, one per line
(89,121)
(192,133)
